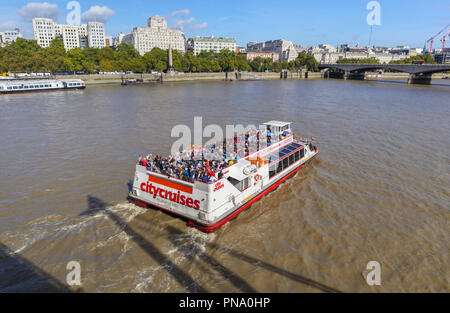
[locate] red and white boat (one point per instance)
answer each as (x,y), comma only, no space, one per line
(209,205)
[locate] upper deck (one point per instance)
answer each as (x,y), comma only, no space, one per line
(209,163)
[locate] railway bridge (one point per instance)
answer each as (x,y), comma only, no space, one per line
(418,73)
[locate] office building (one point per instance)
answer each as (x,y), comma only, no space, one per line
(198,44)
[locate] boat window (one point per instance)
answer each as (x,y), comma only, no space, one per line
(291,159)
(310,146)
(297,156)
(279,167)
(42,86)
(15,87)
(240,185)
(272,171)
(285,163)
(302,153)
(26,87)
(9,87)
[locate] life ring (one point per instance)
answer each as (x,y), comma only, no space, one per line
(257,177)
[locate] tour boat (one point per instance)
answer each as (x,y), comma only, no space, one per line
(20,86)
(209,205)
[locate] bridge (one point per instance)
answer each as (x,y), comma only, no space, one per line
(418,73)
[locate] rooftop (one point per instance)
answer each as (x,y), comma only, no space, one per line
(277,123)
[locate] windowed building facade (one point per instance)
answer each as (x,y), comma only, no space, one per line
(156,34)
(199,44)
(82,36)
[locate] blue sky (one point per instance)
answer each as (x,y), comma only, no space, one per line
(403,22)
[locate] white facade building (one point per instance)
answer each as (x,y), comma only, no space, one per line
(286,49)
(70,36)
(91,34)
(156,34)
(198,44)
(9,36)
(44,31)
(96,35)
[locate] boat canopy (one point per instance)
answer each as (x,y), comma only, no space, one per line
(277,128)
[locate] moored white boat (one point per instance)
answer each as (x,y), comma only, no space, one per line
(208,205)
(31,85)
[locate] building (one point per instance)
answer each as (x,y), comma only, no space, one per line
(96,35)
(156,34)
(275,57)
(9,36)
(443,58)
(286,49)
(241,50)
(44,31)
(109,41)
(82,36)
(70,36)
(128,39)
(199,44)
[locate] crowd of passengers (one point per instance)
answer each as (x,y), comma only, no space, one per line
(206,163)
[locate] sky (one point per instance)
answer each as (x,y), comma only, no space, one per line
(312,22)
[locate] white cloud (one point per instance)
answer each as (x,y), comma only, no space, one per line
(181,23)
(39,9)
(179,12)
(182,20)
(97,14)
(199,26)
(9,25)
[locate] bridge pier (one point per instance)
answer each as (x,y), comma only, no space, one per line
(421,79)
(335,74)
(355,76)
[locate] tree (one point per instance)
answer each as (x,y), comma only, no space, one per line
(227,60)
(277,67)
(359,61)
(257,64)
(91,55)
(156,59)
(307,61)
(126,51)
(425,57)
(75,58)
(107,66)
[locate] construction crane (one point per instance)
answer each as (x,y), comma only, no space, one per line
(431,40)
(443,41)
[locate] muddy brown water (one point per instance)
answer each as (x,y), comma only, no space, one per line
(379,190)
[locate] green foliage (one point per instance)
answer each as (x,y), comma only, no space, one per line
(307,61)
(425,57)
(359,61)
(26,56)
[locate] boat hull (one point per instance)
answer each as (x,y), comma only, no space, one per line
(39,90)
(212,227)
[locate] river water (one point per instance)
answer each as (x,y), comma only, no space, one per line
(378,191)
